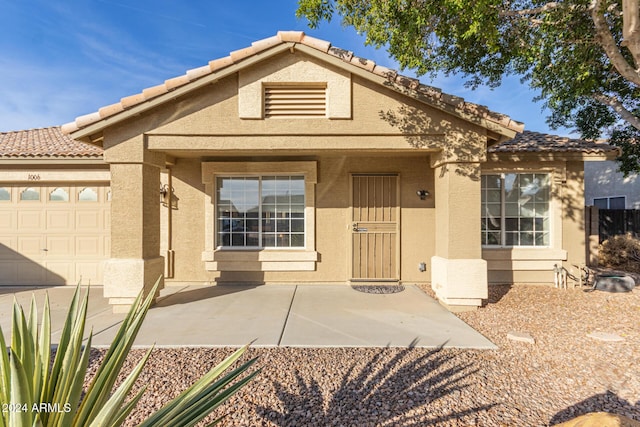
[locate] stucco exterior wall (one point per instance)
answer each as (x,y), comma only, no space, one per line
(332,221)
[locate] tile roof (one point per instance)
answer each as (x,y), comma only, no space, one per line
(51,143)
(48,143)
(537,142)
(297,37)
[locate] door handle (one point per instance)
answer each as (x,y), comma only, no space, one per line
(356,229)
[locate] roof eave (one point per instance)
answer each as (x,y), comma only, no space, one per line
(93,132)
(551,156)
(52,160)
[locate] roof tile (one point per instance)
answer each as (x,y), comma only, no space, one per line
(343,54)
(291,36)
(529,141)
(196,73)
(260,45)
(321,45)
(67,128)
(219,63)
(110,110)
(87,119)
(45,143)
(152,92)
(130,101)
(240,54)
(365,63)
(176,82)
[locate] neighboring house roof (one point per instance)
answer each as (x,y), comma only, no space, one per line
(537,142)
(45,143)
(91,124)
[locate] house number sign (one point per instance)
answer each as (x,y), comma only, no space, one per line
(33,177)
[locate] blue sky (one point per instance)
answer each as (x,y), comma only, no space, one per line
(63,59)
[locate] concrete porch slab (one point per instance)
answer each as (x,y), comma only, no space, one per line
(339,316)
(267,316)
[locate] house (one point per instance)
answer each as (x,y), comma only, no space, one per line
(607,188)
(293,161)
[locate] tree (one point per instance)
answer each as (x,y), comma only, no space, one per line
(582,55)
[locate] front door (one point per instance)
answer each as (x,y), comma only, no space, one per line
(374,227)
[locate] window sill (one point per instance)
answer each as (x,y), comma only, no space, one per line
(260,260)
(523,253)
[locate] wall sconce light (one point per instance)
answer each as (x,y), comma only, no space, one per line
(164,191)
(423,194)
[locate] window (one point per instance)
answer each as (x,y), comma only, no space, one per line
(5,195)
(30,194)
(260,211)
(88,194)
(515,209)
(59,195)
(610,202)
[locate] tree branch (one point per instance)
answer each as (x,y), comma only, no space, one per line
(631,28)
(617,106)
(606,40)
(532,11)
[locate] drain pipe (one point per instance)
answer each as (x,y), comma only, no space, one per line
(170,258)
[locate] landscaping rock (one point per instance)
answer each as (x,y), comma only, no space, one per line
(605,336)
(600,419)
(521,336)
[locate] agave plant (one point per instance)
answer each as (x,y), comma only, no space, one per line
(36,392)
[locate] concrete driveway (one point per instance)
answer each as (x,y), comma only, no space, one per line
(268,316)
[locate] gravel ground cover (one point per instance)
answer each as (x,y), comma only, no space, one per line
(563,374)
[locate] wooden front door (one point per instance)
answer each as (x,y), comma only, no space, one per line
(375,228)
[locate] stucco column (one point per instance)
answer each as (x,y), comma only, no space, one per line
(458,272)
(135,263)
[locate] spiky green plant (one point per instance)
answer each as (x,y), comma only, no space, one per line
(36,392)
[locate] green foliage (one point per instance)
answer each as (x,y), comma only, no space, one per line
(36,392)
(555,46)
(620,253)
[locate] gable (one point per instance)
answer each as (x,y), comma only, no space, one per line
(211,119)
(91,126)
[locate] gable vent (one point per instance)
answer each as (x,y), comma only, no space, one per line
(295,101)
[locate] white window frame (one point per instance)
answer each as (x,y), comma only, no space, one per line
(502,231)
(259,259)
(259,218)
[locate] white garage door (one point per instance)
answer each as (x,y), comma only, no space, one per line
(53,233)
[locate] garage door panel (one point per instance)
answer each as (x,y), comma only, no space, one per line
(30,273)
(8,272)
(88,246)
(8,246)
(89,272)
(88,220)
(60,247)
(58,273)
(30,220)
(8,219)
(59,220)
(31,246)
